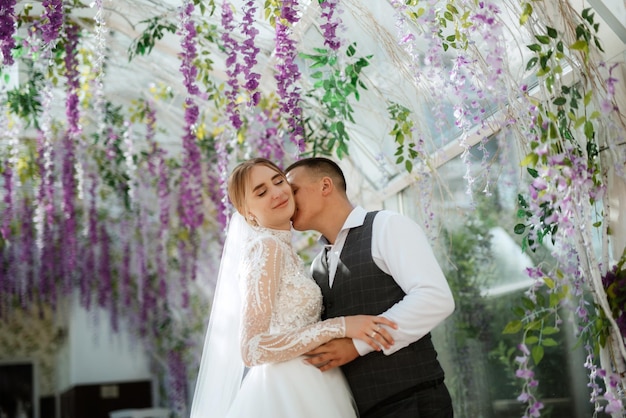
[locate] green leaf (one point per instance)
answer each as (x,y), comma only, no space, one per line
(513,327)
(534,47)
(537,353)
(519,229)
(555,300)
(531,340)
(559,101)
(528,304)
(549,330)
(598,44)
(518,311)
(554,132)
(341,128)
(543,72)
(585,13)
(543,39)
(552,33)
(571,115)
(530,159)
(579,122)
(531,63)
(319,63)
(580,45)
(549,80)
(452,9)
(589,131)
(549,342)
(342,150)
(351,50)
(527,10)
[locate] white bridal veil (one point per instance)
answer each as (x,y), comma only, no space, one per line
(221,367)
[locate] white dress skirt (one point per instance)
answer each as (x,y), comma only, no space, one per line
(293,389)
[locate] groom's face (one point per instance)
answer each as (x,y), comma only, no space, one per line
(306,192)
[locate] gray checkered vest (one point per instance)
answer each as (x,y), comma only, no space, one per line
(360,287)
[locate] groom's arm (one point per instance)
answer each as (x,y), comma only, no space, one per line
(332,354)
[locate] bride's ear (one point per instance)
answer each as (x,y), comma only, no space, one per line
(251,219)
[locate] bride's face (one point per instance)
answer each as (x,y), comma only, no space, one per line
(269,198)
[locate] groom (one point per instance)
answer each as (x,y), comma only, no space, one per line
(375,263)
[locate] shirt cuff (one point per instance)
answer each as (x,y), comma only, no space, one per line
(362,347)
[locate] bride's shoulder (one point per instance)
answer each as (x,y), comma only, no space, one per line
(263,242)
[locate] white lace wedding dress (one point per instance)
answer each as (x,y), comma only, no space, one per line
(282,307)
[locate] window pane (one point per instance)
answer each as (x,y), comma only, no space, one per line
(485,266)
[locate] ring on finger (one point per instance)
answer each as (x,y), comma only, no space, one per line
(373,334)
(377,328)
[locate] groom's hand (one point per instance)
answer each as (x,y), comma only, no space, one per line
(332,354)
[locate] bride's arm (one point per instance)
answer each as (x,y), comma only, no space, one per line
(262,276)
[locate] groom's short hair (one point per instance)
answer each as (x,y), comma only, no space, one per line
(321,167)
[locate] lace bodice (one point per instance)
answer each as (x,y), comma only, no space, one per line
(282,304)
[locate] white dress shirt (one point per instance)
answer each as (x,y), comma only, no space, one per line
(401,249)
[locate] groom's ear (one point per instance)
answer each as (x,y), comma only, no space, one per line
(327,185)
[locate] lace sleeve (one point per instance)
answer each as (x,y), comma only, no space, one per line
(261,273)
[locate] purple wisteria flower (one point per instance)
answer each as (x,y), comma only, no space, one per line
(146,298)
(177,384)
(525,373)
(219,181)
(233,68)
(93,237)
(189,51)
(157,167)
(191,183)
(7,29)
(614,282)
(614,405)
(332,21)
(68,179)
(8,276)
(287,74)
(7,215)
(249,52)
(265,136)
(45,202)
(124,293)
(27,261)
(594,374)
(52,20)
(105,278)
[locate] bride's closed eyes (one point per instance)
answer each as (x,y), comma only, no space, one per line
(261,189)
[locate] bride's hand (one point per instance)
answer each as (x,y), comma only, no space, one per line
(371,329)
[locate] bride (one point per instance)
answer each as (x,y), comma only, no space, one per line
(266,315)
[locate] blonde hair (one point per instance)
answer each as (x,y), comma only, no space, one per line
(239,179)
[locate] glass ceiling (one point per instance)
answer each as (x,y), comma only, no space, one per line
(390,77)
